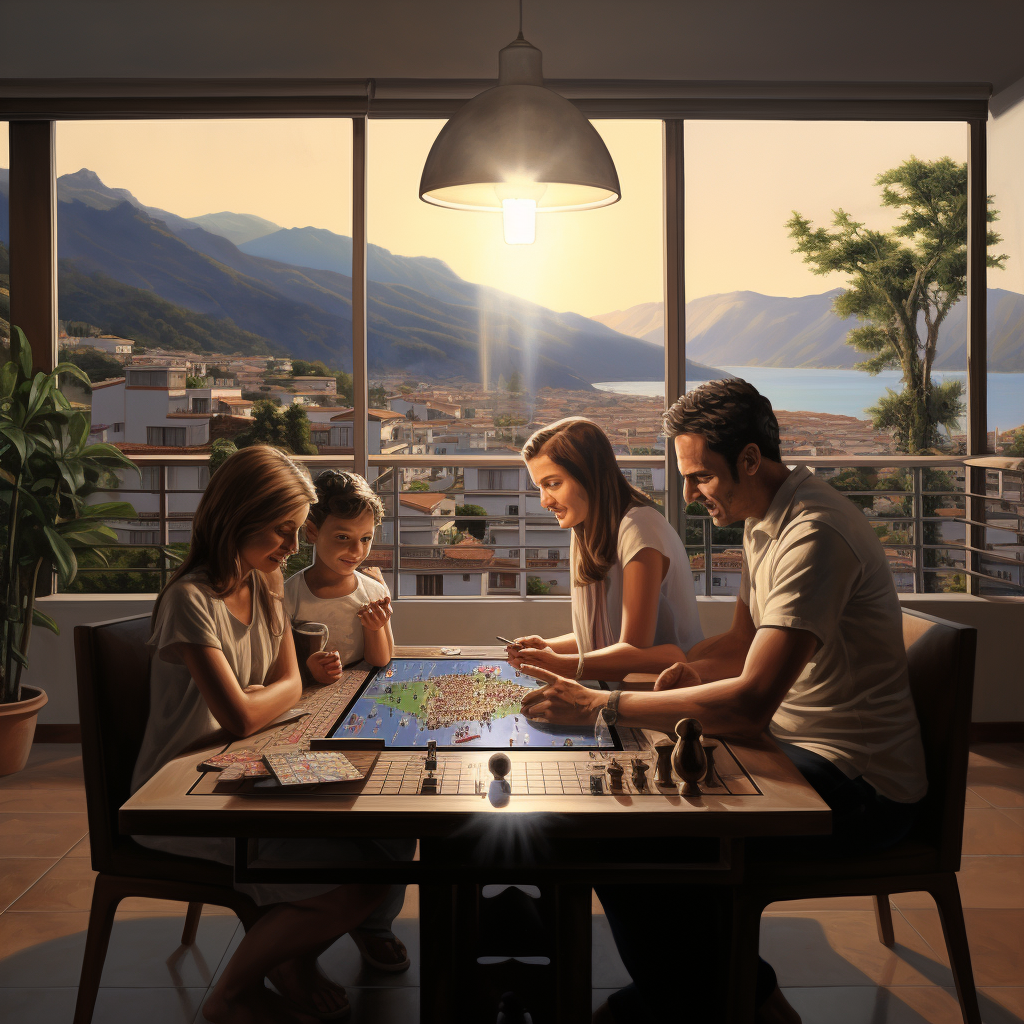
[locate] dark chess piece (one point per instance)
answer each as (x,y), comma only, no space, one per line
(640,770)
(499,765)
(431,764)
(596,785)
(709,752)
(664,771)
(615,775)
(688,758)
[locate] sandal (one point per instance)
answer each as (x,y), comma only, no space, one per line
(341,1014)
(387,954)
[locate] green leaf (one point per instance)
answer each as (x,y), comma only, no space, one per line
(74,371)
(8,378)
(108,453)
(63,556)
(78,429)
(110,510)
(19,657)
(41,619)
(21,352)
(17,438)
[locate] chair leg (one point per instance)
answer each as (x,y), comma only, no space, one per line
(106,895)
(946,894)
(883,920)
(192,915)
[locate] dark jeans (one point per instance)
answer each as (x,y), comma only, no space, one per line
(674,938)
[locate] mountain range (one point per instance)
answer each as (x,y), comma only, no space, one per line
(289,291)
(750,329)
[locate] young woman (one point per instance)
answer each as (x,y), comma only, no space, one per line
(633,605)
(225,658)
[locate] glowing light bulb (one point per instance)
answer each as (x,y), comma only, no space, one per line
(519,217)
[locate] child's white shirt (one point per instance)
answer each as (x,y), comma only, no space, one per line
(339,614)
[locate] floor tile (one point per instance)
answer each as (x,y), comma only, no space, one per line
(67,886)
(27,834)
(606,964)
(343,962)
(1001,787)
(378,1006)
(39,949)
(863,1004)
(81,848)
(841,948)
(822,903)
(1008,1001)
(973,800)
(983,882)
(152,1005)
(37,1005)
(64,772)
(996,939)
(14,800)
(1006,755)
(47,753)
(1014,814)
(989,831)
(18,875)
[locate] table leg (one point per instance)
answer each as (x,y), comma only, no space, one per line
(573,954)
(437,953)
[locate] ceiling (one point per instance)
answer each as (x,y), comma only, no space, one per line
(686,40)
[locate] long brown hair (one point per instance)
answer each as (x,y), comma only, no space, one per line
(253,489)
(583,450)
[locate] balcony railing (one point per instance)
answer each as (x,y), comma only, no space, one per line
(445,535)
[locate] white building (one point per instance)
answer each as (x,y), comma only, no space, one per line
(108,343)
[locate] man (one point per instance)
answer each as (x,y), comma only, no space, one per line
(815,655)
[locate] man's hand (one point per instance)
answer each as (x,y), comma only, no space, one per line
(377,614)
(325,666)
(561,701)
(676,676)
(542,657)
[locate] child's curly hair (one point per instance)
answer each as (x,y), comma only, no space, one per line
(345,495)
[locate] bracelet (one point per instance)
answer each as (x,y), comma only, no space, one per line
(579,668)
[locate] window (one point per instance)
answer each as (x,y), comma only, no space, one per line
(320,437)
(554,554)
(200,405)
(147,378)
(170,437)
(498,479)
(533,552)
(118,428)
(429,585)
(513,552)
(502,581)
(150,478)
(144,537)
(511,510)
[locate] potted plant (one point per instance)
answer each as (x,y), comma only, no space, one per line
(47,469)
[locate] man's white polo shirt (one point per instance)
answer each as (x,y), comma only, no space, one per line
(814,563)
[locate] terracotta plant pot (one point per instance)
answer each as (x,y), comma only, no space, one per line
(17,727)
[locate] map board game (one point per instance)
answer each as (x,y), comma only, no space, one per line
(458,703)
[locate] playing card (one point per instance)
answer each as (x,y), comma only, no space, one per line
(304,768)
(244,770)
(221,761)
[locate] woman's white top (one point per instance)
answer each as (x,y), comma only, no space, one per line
(179,718)
(339,614)
(598,623)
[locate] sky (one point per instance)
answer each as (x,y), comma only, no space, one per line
(743,179)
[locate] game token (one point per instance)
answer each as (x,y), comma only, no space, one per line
(230,757)
(311,766)
(451,650)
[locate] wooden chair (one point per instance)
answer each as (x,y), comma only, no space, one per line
(941,657)
(113,700)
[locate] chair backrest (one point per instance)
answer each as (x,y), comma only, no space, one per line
(941,659)
(113,705)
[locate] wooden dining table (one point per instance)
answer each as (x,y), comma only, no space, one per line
(468,839)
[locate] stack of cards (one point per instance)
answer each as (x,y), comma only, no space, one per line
(235,764)
(308,767)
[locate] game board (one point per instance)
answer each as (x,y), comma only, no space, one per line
(457,703)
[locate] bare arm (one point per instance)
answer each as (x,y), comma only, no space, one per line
(723,656)
(378,641)
(243,712)
(740,706)
(641,591)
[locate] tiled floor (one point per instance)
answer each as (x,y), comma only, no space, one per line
(826,953)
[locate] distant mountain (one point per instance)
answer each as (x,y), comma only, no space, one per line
(235,227)
(646,320)
(750,329)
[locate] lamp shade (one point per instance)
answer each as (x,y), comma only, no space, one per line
(519,141)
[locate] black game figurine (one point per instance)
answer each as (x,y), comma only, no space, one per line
(664,771)
(639,774)
(597,785)
(431,764)
(615,775)
(688,758)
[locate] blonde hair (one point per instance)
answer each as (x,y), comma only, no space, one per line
(583,450)
(251,490)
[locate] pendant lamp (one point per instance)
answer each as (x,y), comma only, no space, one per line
(519,149)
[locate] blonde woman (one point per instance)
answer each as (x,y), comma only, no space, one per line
(225,658)
(633,604)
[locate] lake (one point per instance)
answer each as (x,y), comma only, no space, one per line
(847,392)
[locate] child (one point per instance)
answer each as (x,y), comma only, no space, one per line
(356,608)
(225,658)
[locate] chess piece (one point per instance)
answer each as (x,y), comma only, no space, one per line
(615,775)
(664,773)
(499,765)
(688,758)
(597,785)
(431,764)
(429,785)
(640,770)
(709,752)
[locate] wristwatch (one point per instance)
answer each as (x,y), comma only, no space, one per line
(610,712)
